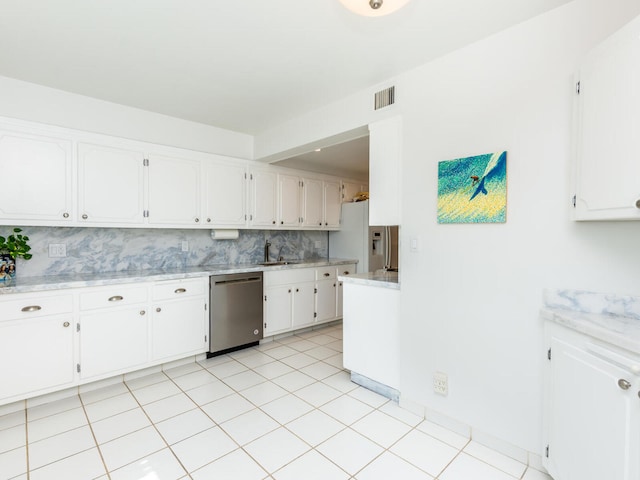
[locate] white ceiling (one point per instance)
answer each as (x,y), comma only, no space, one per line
(242,65)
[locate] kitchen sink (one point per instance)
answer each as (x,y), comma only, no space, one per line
(279,262)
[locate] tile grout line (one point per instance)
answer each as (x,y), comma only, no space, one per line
(94,436)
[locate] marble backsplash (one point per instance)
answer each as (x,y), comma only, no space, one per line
(100,250)
(590,302)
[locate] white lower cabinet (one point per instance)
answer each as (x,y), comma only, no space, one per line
(591,408)
(36,345)
(58,339)
(343,270)
(114,330)
(180,319)
(288,300)
(326,294)
(302,297)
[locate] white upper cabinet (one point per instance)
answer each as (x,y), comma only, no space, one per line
(312,203)
(351,188)
(332,201)
(288,200)
(385,156)
(225,194)
(110,185)
(608,144)
(37,187)
(263,197)
(174,191)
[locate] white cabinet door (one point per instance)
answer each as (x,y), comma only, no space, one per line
(36,179)
(110,185)
(343,270)
(225,194)
(312,203)
(277,309)
(174,191)
(113,340)
(326,298)
(36,354)
(264,198)
(591,416)
(179,325)
(178,328)
(385,156)
(332,201)
(608,144)
(349,191)
(288,200)
(303,305)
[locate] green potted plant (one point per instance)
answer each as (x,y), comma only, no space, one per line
(12,247)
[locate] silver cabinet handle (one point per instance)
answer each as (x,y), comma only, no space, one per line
(31,308)
(346,272)
(327,274)
(624,384)
(65,215)
(180,290)
(142,312)
(158,309)
(116,298)
(65,324)
(289,290)
(208,220)
(197,219)
(274,222)
(638,203)
(85,216)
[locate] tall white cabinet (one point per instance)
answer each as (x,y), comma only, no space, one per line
(607,143)
(385,157)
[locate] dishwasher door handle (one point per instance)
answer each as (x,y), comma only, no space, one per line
(238,280)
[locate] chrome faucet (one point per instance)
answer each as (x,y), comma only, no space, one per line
(280,254)
(267,244)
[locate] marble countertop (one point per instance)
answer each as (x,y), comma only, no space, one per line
(620,331)
(53,282)
(374,279)
(611,318)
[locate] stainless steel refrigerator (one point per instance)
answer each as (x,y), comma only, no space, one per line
(375,248)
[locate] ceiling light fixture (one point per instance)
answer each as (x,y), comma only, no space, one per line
(374,8)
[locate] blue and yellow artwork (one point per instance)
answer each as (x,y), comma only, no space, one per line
(473,189)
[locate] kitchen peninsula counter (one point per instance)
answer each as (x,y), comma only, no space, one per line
(374,279)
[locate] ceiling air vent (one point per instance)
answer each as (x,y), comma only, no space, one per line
(384,98)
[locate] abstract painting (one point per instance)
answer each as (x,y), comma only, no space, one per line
(473,189)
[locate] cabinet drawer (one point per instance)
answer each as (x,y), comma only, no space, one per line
(178,289)
(325,273)
(28,305)
(114,296)
(349,269)
(284,277)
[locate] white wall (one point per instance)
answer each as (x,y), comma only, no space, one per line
(28,101)
(470,298)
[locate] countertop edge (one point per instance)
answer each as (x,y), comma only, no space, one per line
(47,283)
(381,280)
(623,332)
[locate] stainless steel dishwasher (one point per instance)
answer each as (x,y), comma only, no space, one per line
(235,311)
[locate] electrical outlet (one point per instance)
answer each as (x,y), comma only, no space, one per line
(185,245)
(440,383)
(57,250)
